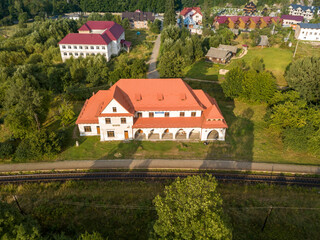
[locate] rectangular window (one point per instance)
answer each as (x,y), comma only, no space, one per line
(114,109)
(193,114)
(81,54)
(181,114)
(151,114)
(103,48)
(97,47)
(123,120)
(69,47)
(108,120)
(80,47)
(65,54)
(75,47)
(92,47)
(76,54)
(139,114)
(63,47)
(110,133)
(166,114)
(86,47)
(87,128)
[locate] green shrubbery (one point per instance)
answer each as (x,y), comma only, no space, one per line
(255,84)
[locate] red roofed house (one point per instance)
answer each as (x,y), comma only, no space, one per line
(94,37)
(194,13)
(152,109)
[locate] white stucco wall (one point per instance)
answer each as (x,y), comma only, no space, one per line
(308,34)
(145,114)
(205,132)
(114,103)
(93,130)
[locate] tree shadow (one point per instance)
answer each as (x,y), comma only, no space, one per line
(200,70)
(238,145)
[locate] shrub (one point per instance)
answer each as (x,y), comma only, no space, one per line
(6,150)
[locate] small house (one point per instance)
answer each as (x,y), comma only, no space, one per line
(218,55)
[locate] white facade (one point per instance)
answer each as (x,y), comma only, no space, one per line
(308,33)
(304,11)
(289,22)
(83,50)
(195,16)
(121,127)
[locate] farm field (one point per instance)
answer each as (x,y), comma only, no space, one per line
(124,209)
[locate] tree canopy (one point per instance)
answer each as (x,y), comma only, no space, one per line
(304,76)
(191,208)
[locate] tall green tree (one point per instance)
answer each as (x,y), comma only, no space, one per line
(304,76)
(169,14)
(191,208)
(171,65)
(232,86)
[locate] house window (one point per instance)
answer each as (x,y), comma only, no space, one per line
(92,47)
(151,114)
(110,134)
(87,128)
(103,48)
(63,47)
(75,47)
(166,114)
(108,120)
(81,54)
(123,120)
(181,114)
(65,54)
(76,54)
(80,47)
(69,47)
(86,47)
(114,109)
(97,47)
(193,114)
(139,114)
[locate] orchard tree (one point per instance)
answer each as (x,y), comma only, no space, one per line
(169,14)
(191,209)
(232,86)
(66,113)
(304,76)
(171,65)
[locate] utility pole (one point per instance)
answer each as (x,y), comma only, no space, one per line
(265,221)
(16,200)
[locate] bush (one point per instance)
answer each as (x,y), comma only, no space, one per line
(6,150)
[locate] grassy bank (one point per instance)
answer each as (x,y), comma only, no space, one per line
(124,210)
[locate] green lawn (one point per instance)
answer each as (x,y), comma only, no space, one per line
(306,49)
(276,60)
(124,209)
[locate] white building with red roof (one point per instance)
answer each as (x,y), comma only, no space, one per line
(152,109)
(192,12)
(94,37)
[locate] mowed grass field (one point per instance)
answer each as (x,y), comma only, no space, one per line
(124,209)
(247,139)
(276,61)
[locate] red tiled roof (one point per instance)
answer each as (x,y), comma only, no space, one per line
(291,17)
(154,95)
(222,19)
(112,33)
(86,39)
(245,18)
(185,11)
(159,94)
(234,18)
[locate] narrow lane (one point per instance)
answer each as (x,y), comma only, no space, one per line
(152,72)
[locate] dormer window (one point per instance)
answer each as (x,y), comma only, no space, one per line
(151,114)
(193,114)
(139,114)
(114,109)
(166,114)
(181,114)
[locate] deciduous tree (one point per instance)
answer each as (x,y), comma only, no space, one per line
(191,209)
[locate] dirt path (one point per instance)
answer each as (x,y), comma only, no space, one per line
(152,72)
(160,164)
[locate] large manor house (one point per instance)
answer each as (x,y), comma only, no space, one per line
(152,109)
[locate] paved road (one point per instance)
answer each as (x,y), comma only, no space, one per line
(152,72)
(160,164)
